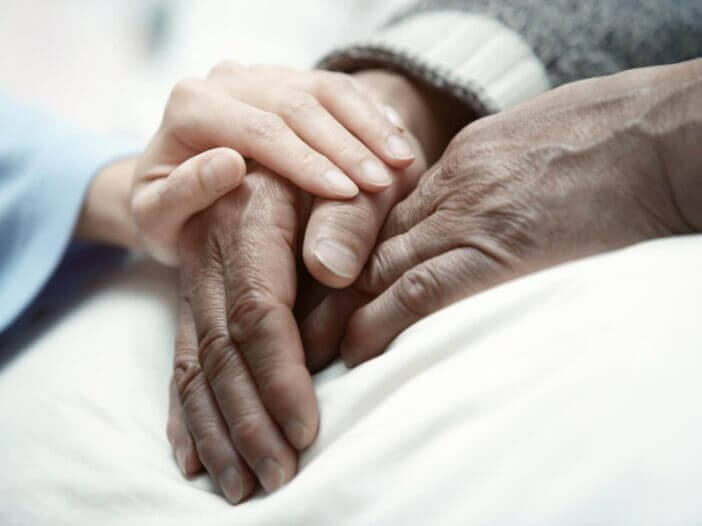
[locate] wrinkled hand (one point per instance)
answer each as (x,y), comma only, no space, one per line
(575,172)
(242,399)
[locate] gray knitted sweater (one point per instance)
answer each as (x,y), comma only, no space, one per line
(493,54)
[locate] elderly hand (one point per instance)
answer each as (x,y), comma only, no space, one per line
(592,166)
(242,400)
(316,129)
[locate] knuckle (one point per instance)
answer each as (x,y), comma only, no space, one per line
(451,173)
(333,85)
(183,93)
(186,89)
(187,377)
(509,230)
(278,381)
(267,71)
(208,442)
(143,209)
(213,351)
(374,279)
(247,429)
(299,104)
(265,127)
(248,314)
(180,109)
(224,68)
(349,148)
(418,291)
(351,220)
(309,158)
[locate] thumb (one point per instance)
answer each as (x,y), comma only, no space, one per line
(341,234)
(162,206)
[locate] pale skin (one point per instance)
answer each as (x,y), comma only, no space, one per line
(317,129)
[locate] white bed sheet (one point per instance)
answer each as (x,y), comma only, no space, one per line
(571,396)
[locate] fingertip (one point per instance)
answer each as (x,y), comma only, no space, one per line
(299,434)
(232,485)
(270,474)
(337,259)
(394,117)
(238,167)
(347,352)
(360,340)
(374,175)
(401,164)
(293,403)
(224,171)
(338,185)
(399,149)
(188,460)
(180,459)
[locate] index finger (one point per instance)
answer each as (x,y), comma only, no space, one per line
(202,118)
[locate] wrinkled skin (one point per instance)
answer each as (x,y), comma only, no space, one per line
(239,369)
(242,402)
(590,167)
(241,399)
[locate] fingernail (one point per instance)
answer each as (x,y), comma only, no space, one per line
(399,147)
(216,173)
(180,458)
(347,356)
(340,184)
(393,116)
(231,484)
(374,173)
(296,432)
(336,258)
(269,474)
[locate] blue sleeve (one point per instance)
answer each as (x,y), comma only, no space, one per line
(45,170)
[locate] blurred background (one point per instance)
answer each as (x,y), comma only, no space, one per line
(109,65)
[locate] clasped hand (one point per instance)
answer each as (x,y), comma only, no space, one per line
(275,282)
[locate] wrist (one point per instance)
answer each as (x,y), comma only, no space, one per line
(106,217)
(431,115)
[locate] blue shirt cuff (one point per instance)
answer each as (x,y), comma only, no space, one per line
(46,169)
